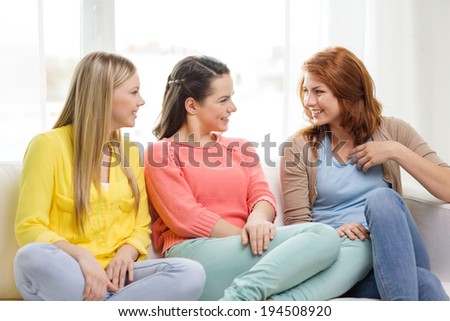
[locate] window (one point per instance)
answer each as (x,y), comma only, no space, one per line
(62,52)
(246,35)
(37,63)
(20,103)
(264,42)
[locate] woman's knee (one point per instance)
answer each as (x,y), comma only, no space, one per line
(379,196)
(327,236)
(31,265)
(193,269)
(383,202)
(190,275)
(357,251)
(325,241)
(33,256)
(319,229)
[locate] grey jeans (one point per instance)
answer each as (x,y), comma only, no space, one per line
(44,272)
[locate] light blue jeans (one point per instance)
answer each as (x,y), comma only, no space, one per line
(44,272)
(401,266)
(304,262)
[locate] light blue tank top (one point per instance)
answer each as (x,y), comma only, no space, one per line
(342,189)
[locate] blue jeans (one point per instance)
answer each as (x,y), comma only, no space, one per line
(44,272)
(401,266)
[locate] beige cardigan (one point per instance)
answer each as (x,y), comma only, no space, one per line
(298,170)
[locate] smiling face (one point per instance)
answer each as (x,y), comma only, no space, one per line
(126,102)
(321,102)
(214,111)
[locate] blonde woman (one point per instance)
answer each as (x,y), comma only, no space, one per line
(82,219)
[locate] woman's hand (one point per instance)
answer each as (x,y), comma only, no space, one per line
(96,280)
(121,264)
(435,178)
(353,231)
(259,229)
(258,233)
(372,153)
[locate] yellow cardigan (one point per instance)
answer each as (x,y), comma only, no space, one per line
(46,211)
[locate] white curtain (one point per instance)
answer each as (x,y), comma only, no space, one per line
(22,78)
(408,51)
(405,44)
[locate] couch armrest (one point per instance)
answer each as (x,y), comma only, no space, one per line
(9,193)
(433,220)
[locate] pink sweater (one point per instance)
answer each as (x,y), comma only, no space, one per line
(190,188)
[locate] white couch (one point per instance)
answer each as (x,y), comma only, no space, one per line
(432,216)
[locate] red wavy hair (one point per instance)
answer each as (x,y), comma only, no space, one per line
(352,85)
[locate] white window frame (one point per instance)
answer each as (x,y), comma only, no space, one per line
(97,26)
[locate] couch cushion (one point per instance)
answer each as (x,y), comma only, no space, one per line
(272,176)
(433,220)
(432,217)
(9,189)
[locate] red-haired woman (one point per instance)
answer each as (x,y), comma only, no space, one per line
(344,170)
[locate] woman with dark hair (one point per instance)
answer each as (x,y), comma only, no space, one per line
(212,203)
(344,170)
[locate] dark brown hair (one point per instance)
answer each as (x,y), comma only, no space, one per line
(191,77)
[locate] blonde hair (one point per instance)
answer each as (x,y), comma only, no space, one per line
(88,109)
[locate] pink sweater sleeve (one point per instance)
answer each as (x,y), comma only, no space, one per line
(172,197)
(258,189)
